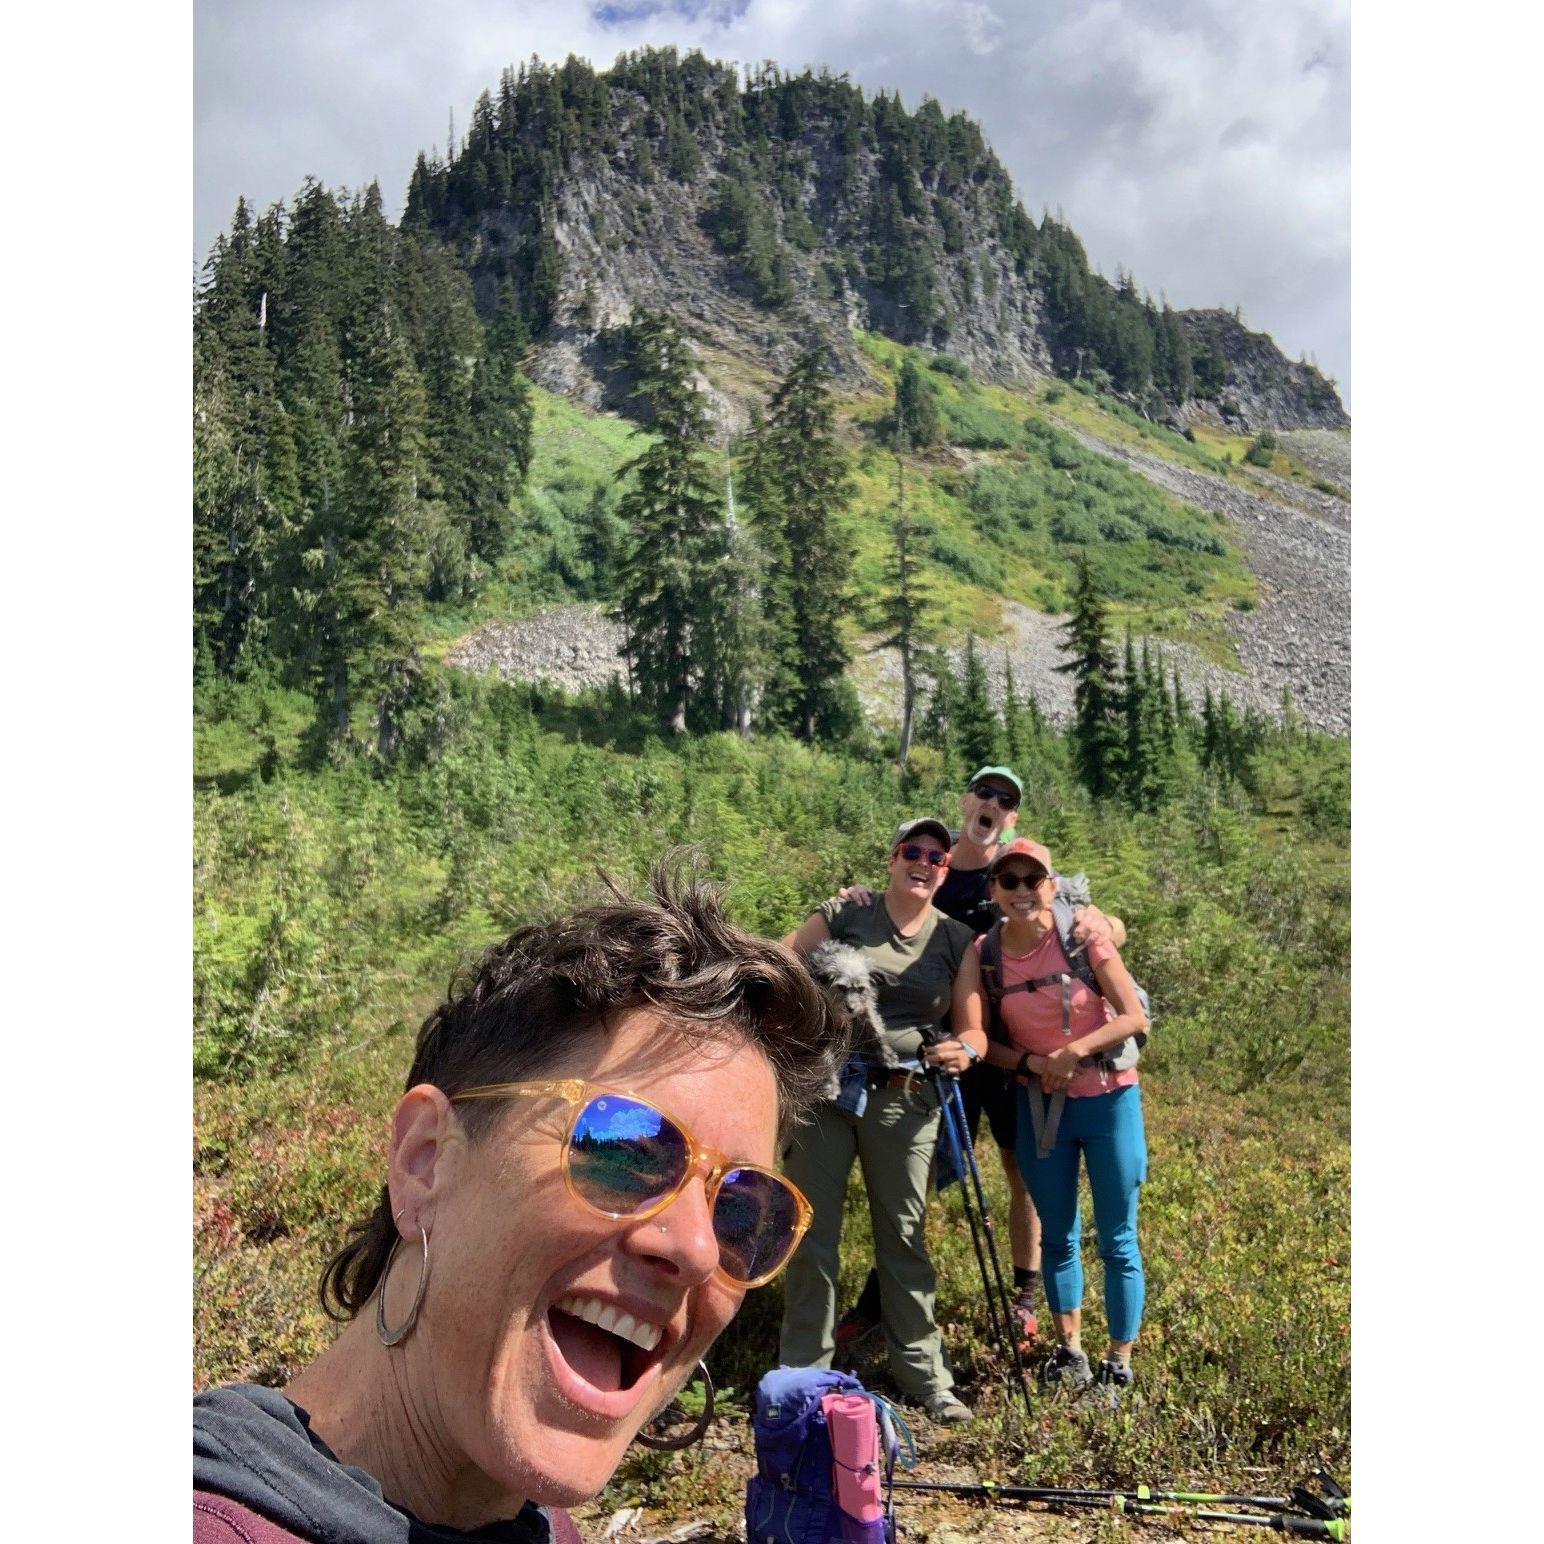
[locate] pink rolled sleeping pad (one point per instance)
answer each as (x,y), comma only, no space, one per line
(854,1433)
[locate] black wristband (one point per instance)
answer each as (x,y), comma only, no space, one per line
(1022,1070)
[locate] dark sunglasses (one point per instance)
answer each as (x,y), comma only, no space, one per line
(913,853)
(1013,881)
(625,1158)
(1007,800)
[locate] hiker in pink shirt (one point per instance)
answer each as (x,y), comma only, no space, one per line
(1073,1108)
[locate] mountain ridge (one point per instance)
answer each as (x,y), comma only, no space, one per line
(792,209)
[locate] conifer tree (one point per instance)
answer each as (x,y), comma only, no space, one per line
(1016,724)
(905,612)
(941,722)
(734,644)
(979,732)
(602,539)
(915,421)
(797,484)
(669,575)
(1096,730)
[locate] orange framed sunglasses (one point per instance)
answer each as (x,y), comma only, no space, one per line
(624,1158)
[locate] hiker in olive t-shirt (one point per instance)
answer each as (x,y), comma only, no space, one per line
(887,1120)
(989,810)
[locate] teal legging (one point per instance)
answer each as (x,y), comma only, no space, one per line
(1107,1130)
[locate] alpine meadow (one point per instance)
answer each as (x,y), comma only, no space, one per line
(727,459)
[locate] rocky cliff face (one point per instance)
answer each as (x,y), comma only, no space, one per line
(1262,389)
(767,214)
(622,244)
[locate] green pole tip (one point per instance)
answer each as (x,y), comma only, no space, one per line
(1118,1504)
(1143,1493)
(1337,1528)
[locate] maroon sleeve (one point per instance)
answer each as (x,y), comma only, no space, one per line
(219,1520)
(564,1529)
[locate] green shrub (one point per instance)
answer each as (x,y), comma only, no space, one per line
(1261,448)
(980,426)
(947,364)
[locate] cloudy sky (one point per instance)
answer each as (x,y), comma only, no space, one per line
(1202,144)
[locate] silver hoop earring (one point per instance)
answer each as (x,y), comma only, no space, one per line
(392,1337)
(697,1431)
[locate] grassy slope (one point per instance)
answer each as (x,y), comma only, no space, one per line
(330,908)
(575,452)
(1009,504)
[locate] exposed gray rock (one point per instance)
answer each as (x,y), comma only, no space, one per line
(1263,388)
(1327,452)
(575,648)
(1299,635)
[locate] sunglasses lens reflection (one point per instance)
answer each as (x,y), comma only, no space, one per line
(755,1217)
(625,1155)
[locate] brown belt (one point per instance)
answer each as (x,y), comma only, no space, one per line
(898,1080)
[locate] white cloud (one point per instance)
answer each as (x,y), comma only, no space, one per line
(1202,144)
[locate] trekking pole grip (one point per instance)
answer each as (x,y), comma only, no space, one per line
(1312,1527)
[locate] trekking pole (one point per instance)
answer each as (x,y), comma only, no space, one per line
(973,1170)
(1300,1501)
(998,1310)
(1336,1528)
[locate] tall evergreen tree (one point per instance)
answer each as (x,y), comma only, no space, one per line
(941,722)
(797,484)
(914,421)
(979,731)
(905,612)
(1017,732)
(669,576)
(1096,728)
(1144,769)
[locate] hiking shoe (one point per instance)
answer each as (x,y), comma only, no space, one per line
(1066,1368)
(1113,1377)
(1025,1325)
(947,1410)
(853,1326)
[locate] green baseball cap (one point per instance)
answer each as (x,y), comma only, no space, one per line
(1007,774)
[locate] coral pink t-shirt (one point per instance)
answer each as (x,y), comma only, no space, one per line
(1033,1020)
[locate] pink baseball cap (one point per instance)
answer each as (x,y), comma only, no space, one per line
(1023,848)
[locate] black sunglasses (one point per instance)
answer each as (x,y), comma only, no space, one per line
(912,853)
(1013,881)
(1007,800)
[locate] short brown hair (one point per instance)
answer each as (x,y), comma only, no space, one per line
(532,998)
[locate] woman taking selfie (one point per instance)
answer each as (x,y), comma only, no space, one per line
(922,962)
(1060,1029)
(580,1191)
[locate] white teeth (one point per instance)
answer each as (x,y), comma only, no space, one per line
(608,1317)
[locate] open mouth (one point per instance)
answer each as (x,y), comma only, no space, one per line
(608,1353)
(985,822)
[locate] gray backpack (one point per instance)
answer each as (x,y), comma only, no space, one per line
(1116,1058)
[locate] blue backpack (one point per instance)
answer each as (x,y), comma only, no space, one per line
(792,1497)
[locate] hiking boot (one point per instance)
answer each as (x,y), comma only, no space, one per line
(853,1326)
(1025,1325)
(947,1410)
(1114,1376)
(1066,1368)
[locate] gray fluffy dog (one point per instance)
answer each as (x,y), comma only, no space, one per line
(849,983)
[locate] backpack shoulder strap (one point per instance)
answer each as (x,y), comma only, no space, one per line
(1077,954)
(992,961)
(992,978)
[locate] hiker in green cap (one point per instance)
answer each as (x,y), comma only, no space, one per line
(989,810)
